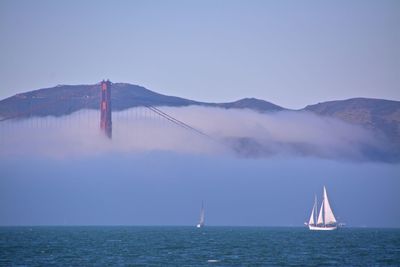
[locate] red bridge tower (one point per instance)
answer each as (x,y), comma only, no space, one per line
(105,108)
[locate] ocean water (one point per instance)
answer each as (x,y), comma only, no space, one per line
(188,246)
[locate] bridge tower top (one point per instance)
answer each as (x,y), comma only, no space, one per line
(105,108)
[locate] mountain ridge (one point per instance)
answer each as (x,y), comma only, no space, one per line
(123,96)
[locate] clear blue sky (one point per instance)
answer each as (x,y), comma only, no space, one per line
(292,53)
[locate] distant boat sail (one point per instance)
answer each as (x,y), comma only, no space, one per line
(326,220)
(201,221)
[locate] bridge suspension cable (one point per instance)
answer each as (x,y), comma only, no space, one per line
(175,121)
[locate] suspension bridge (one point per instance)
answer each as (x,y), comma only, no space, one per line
(38,114)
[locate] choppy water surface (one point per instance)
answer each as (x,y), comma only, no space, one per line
(188,246)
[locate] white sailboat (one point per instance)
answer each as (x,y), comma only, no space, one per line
(201,221)
(326,220)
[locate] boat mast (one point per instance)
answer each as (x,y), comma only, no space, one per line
(321,215)
(316,209)
(323,210)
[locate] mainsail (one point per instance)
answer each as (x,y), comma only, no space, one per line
(329,218)
(325,213)
(201,222)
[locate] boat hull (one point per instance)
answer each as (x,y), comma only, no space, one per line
(322,228)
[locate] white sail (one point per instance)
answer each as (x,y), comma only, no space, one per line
(329,218)
(320,216)
(312,220)
(202,216)
(201,221)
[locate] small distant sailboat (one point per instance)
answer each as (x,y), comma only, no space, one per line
(326,220)
(201,221)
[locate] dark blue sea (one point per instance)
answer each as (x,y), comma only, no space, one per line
(188,246)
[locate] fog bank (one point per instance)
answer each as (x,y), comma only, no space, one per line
(242,133)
